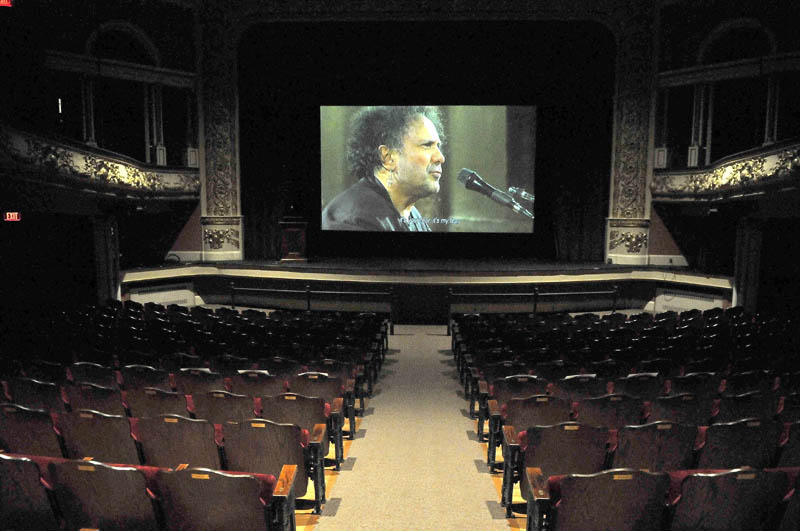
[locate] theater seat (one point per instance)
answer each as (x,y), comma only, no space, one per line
(219,407)
(566,448)
(92,495)
(257,383)
(151,402)
(747,442)
(102,437)
(172,440)
(23,499)
(86,395)
(27,431)
(199,499)
(522,413)
(263,446)
(657,446)
(735,500)
(611,411)
(618,500)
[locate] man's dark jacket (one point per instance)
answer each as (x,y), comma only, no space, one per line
(366,206)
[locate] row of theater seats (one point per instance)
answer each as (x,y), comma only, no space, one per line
(606,413)
(555,419)
(670,347)
(224,433)
(687,500)
(53,494)
(145,334)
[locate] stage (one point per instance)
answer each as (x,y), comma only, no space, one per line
(427,291)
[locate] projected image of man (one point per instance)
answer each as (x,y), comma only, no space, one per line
(396,155)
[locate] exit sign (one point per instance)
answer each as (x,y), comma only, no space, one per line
(12,216)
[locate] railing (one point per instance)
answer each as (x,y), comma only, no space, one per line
(308,292)
(534,296)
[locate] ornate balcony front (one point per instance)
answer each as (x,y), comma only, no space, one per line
(752,172)
(28,156)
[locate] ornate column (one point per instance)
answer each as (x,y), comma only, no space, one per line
(106,256)
(628,224)
(218,127)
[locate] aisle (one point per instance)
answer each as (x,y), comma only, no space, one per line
(415,462)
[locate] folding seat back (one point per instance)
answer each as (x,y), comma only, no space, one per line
(85,371)
(701,384)
(517,386)
(610,411)
(85,395)
(303,411)
(257,383)
(36,394)
(197,499)
(537,410)
(280,366)
(92,495)
(646,386)
(23,500)
(579,386)
(502,369)
(656,446)
(45,371)
(684,408)
(102,437)
(191,381)
(228,364)
(747,381)
(219,407)
(173,440)
(263,446)
(141,376)
(747,442)
(566,448)
(27,431)
(555,370)
(151,402)
(755,404)
(622,500)
(317,384)
(736,500)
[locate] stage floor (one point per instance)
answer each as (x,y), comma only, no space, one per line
(455,266)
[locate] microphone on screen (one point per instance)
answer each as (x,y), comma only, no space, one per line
(472,181)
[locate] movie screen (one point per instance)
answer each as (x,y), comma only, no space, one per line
(428,169)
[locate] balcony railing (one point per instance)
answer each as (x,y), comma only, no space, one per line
(30,156)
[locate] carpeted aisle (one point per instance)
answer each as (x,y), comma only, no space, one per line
(415,461)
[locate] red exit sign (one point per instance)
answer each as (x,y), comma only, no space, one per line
(6,3)
(12,216)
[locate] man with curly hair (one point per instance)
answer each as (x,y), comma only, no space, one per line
(396,155)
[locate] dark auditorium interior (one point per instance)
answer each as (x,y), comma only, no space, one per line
(185,345)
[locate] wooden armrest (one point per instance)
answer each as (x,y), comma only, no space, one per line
(318,435)
(336,407)
(475,372)
(537,482)
(510,436)
(483,387)
(494,408)
(285,482)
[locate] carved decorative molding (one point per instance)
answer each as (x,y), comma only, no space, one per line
(634,30)
(216,238)
(51,160)
(218,96)
(634,242)
(731,176)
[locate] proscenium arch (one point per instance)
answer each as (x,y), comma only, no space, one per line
(729,25)
(222,25)
(122,26)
